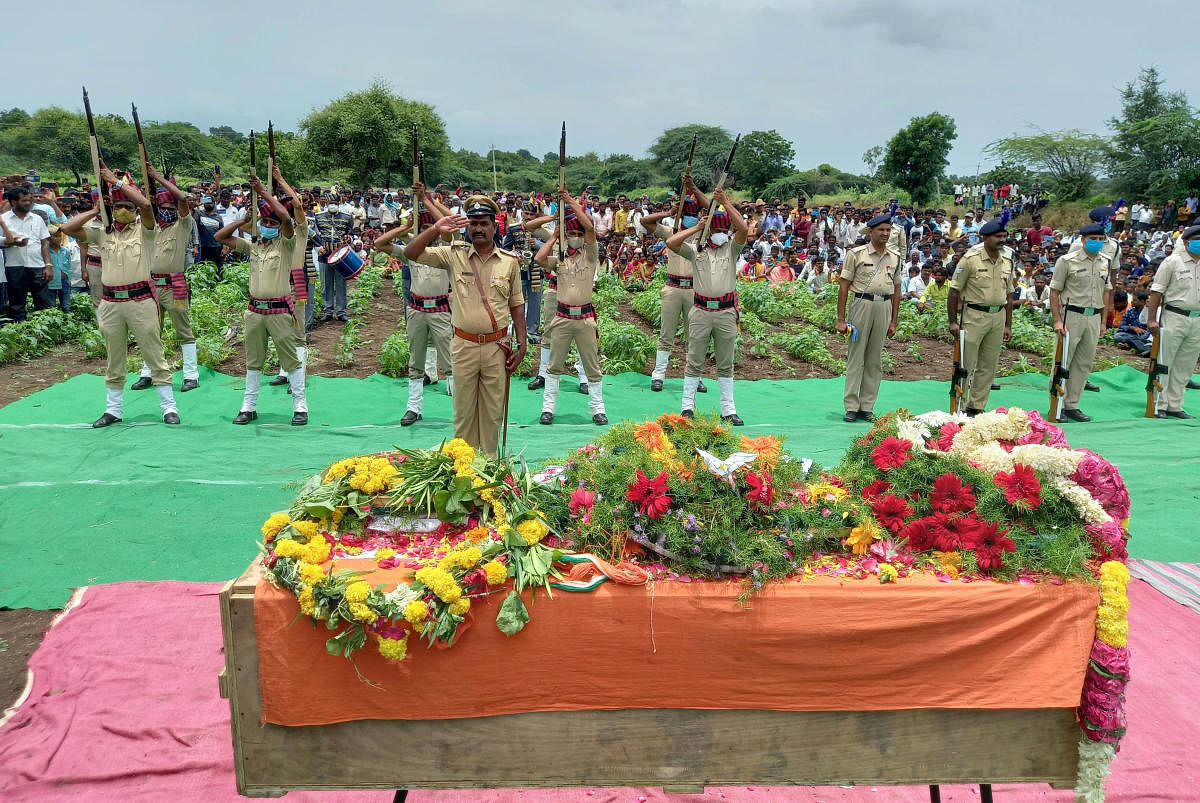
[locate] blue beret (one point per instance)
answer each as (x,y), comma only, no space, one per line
(1101,213)
(991,227)
(1190,232)
(879,220)
(1091,228)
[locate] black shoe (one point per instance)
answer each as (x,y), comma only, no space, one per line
(537,382)
(1191,385)
(996,386)
(600,419)
(410,418)
(1179,414)
(189,384)
(343,318)
(299,419)
(866,415)
(143,383)
(278,380)
(688,413)
(547,419)
(1092,387)
(656,385)
(427,380)
(326,318)
(308,340)
(289,390)
(104,421)
(1161,414)
(701,389)
(733,419)
(1076,415)
(850,417)
(583,388)
(170,418)
(245,417)
(972,412)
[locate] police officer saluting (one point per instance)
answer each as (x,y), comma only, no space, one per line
(871,276)
(485,285)
(1079,296)
(1177,288)
(983,281)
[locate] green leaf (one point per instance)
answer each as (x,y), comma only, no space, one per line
(513,615)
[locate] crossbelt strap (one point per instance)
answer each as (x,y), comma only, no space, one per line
(482,295)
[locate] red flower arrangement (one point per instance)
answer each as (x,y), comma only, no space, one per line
(650,495)
(761,494)
(874,490)
(891,511)
(1021,486)
(955,533)
(950,495)
(991,544)
(892,452)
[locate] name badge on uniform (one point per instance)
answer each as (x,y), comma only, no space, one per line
(712,304)
(161,281)
(428,303)
(574,310)
(120,294)
(261,305)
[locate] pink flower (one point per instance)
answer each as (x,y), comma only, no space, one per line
(582,501)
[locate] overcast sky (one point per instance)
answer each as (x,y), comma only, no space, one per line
(834,77)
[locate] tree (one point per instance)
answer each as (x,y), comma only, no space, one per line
(872,157)
(1071,158)
(55,137)
(916,156)
(177,147)
(227,133)
(670,152)
(1008,172)
(622,173)
(371,132)
(1156,144)
(762,157)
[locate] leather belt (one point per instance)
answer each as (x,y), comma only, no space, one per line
(127,292)
(484,337)
(873,296)
(1084,310)
(682,282)
(576,312)
(1190,313)
(986,307)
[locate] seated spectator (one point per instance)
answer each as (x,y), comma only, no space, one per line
(1120,305)
(1037,295)
(911,287)
(781,273)
(816,273)
(935,295)
(1131,333)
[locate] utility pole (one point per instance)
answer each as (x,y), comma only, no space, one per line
(495,188)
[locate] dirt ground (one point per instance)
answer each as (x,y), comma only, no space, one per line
(21,632)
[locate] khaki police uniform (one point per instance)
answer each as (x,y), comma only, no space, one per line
(95,266)
(986,287)
(549,312)
(575,322)
(170,258)
(1081,281)
(713,317)
(427,323)
(1178,279)
(480,346)
(676,297)
(128,302)
(270,286)
(874,278)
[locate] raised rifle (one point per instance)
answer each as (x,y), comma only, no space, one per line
(94,146)
(253,210)
(1059,374)
(146,180)
(721,177)
(562,185)
(958,380)
(1153,384)
(683,188)
(271,157)
(416,164)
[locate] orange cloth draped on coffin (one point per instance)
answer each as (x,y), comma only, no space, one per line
(821,645)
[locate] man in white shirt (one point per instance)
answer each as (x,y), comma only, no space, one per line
(26,254)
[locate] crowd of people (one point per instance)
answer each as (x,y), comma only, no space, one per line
(782,243)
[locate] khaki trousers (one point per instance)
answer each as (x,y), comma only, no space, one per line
(721,328)
(1085,334)
(1179,349)
(180,318)
(95,284)
(281,328)
(117,319)
(984,342)
(549,308)
(676,302)
(585,334)
(479,378)
(423,329)
(864,356)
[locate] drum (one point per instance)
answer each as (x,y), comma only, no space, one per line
(346,262)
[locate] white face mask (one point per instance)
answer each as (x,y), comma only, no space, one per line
(719,238)
(575,242)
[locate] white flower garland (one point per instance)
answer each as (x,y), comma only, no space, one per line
(1091,510)
(1095,761)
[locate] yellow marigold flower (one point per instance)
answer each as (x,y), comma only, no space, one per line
(311,574)
(887,573)
(308,603)
(362,613)
(394,649)
(477,534)
(440,582)
(532,531)
(274,524)
(416,612)
(861,537)
(496,572)
(287,548)
(385,553)
(337,470)
(357,591)
(316,551)
(306,528)
(460,607)
(499,513)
